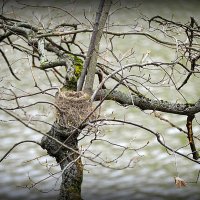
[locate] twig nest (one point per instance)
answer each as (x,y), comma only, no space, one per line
(74,107)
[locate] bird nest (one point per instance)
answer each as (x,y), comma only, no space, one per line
(72,108)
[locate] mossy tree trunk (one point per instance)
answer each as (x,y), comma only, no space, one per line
(68,158)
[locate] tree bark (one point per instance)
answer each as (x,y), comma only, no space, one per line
(72,108)
(190,137)
(145,103)
(70,162)
(92,54)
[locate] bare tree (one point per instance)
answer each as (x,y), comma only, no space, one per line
(56,51)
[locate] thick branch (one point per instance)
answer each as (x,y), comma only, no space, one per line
(47,65)
(91,59)
(190,137)
(149,104)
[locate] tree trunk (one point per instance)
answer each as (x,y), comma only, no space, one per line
(70,162)
(72,108)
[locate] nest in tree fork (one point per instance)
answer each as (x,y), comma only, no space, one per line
(74,107)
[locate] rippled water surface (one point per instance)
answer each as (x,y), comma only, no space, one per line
(152,177)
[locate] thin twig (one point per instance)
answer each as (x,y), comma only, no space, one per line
(15,145)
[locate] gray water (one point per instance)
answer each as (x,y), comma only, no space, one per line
(152,176)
